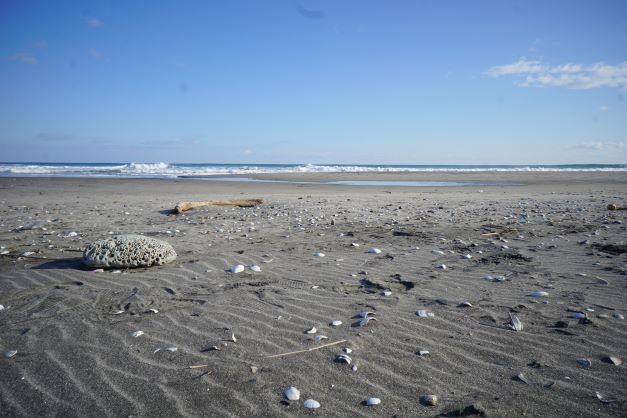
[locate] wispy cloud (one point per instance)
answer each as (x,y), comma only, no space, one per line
(532,73)
(604,108)
(24,57)
(309,13)
(92,21)
(94,53)
(599,145)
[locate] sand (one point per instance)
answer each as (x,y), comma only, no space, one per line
(75,355)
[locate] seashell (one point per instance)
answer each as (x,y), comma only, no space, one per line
(354,368)
(443,266)
(604,399)
(343,358)
(522,378)
(365,314)
(27,253)
(374,250)
(315,287)
(233,339)
(136,333)
(373,401)
(467,256)
(311,404)
(336,323)
(238,268)
(318,254)
(365,321)
(422,353)
(613,360)
(584,362)
(9,354)
(98,271)
(255,268)
(618,316)
(387,293)
(354,244)
(437,252)
(1,307)
(319,338)
(579,315)
(429,400)
(515,324)
(152,310)
(348,350)
(311,330)
(538,294)
(291,393)
(268,261)
(465,305)
(71,234)
(121,311)
(423,313)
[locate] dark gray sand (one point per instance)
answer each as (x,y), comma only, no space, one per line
(72,326)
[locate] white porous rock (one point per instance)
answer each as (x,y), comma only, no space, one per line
(128,251)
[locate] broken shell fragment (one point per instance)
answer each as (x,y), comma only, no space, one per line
(291,393)
(238,268)
(136,334)
(538,294)
(422,353)
(584,362)
(374,250)
(429,400)
(616,361)
(336,323)
(311,404)
(365,320)
(365,314)
(318,254)
(465,305)
(343,358)
(373,401)
(319,338)
(387,293)
(348,350)
(9,354)
(522,378)
(311,330)
(255,268)
(423,313)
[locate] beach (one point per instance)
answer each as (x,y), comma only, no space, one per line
(467,258)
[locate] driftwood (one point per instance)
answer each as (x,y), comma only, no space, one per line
(242,203)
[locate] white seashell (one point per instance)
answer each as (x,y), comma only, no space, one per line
(9,354)
(315,287)
(27,253)
(348,350)
(373,401)
(365,314)
(268,261)
(152,310)
(156,351)
(319,338)
(98,271)
(465,305)
(354,367)
(311,330)
(516,323)
(318,254)
(603,398)
(387,293)
(365,321)
(354,244)
(467,256)
(443,266)
(5,252)
(238,268)
(429,400)
(423,353)
(423,313)
(343,358)
(437,252)
(121,311)
(255,268)
(374,250)
(584,362)
(136,333)
(311,404)
(71,234)
(1,307)
(579,315)
(538,294)
(233,339)
(616,361)
(618,316)
(291,393)
(336,323)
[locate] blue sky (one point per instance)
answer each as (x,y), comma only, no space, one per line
(279,81)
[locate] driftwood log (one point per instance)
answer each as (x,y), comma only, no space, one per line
(242,203)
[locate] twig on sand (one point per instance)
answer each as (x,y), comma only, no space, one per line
(308,350)
(508,230)
(242,203)
(198,366)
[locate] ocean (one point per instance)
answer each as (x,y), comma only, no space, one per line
(175,170)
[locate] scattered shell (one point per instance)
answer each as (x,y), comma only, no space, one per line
(538,294)
(319,338)
(354,368)
(27,253)
(255,268)
(365,320)
(387,293)
(268,261)
(374,250)
(579,315)
(238,268)
(311,330)
(98,271)
(253,369)
(354,244)
(443,266)
(336,323)
(613,360)
(584,362)
(315,287)
(603,398)
(423,313)
(522,378)
(373,401)
(121,311)
(1,307)
(348,350)
(233,339)
(71,234)
(9,354)
(429,400)
(343,358)
(467,256)
(318,255)
(422,353)
(291,393)
(152,310)
(365,314)
(136,333)
(618,316)
(311,404)
(465,305)
(170,349)
(437,252)
(515,324)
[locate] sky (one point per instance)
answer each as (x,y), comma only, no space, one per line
(314,81)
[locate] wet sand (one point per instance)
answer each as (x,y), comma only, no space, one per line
(70,325)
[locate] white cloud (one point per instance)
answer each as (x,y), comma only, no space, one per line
(92,21)
(24,58)
(604,108)
(598,145)
(531,73)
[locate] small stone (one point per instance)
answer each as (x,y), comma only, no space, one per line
(429,400)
